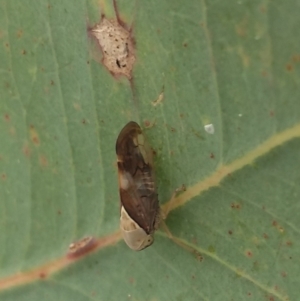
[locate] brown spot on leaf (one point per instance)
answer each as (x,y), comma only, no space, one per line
(272,113)
(131,280)
(296,58)
(4,176)
(265,236)
(26,150)
(19,33)
(230,232)
(43,161)
(289,67)
(52,83)
(249,253)
(82,247)
(43,275)
(289,243)
(116,44)
(24,52)
(283,274)
(7,118)
(235,206)
(264,73)
(83,121)
(262,9)
(212,156)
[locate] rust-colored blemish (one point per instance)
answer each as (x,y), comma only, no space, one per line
(185,45)
(131,280)
(26,150)
(19,33)
(23,52)
(272,113)
(277,226)
(265,236)
(43,275)
(264,73)
(34,137)
(52,82)
(296,58)
(116,43)
(82,247)
(3,176)
(6,117)
(43,161)
(230,232)
(289,67)
(283,274)
(235,206)
(83,121)
(6,45)
(198,256)
(249,253)
(262,9)
(149,124)
(58,212)
(29,276)
(271,298)
(289,243)
(212,156)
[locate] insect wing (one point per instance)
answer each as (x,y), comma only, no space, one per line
(136,181)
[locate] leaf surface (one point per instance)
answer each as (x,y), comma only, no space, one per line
(235,65)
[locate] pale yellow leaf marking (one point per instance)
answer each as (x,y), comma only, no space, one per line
(224,170)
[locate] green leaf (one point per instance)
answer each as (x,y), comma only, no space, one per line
(233,64)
